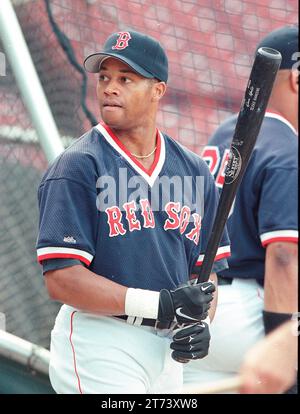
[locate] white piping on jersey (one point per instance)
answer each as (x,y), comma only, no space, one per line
(223,251)
(282,119)
(150,179)
(279,234)
(60,251)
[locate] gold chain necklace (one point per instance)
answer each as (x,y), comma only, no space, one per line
(143,156)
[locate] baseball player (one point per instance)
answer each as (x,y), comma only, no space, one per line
(125,215)
(259,289)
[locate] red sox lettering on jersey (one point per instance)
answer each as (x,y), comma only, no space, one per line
(177,218)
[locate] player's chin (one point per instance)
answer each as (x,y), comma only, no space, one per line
(114,118)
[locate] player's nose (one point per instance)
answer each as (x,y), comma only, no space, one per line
(111,88)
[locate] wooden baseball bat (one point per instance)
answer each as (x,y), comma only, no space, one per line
(264,70)
(228,385)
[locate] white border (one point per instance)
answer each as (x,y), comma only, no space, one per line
(279,233)
(282,119)
(221,250)
(65,250)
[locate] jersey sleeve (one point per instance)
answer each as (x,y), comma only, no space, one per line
(68,221)
(278,209)
(55,264)
(211,200)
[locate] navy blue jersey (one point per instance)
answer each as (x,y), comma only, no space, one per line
(139,228)
(265,208)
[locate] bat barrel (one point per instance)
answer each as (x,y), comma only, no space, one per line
(264,70)
(270,53)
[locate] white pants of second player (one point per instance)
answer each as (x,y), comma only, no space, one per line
(237,326)
(93,354)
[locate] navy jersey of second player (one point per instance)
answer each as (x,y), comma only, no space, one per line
(98,205)
(265,208)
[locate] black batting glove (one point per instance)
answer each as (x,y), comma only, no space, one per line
(191,343)
(187,304)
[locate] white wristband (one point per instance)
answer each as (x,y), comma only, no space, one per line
(142,303)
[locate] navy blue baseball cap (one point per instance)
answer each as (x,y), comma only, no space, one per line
(142,53)
(285,40)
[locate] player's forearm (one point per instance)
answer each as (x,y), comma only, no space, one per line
(79,287)
(270,366)
(281,277)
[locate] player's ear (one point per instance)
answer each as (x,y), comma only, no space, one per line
(294,81)
(159,89)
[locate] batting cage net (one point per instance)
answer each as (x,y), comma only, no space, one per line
(210,45)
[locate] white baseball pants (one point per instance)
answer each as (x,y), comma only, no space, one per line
(103,355)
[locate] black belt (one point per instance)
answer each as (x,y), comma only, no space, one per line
(224,280)
(147,322)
